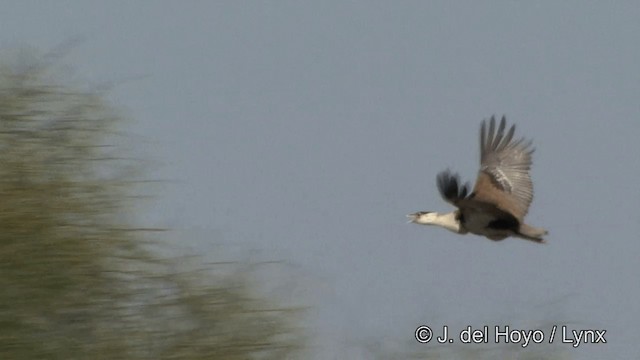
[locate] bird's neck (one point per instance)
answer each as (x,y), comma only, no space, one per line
(448,221)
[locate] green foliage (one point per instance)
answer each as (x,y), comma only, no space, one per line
(77,278)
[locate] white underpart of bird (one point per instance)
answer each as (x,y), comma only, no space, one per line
(502,193)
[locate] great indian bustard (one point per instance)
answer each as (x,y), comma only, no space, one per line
(501,196)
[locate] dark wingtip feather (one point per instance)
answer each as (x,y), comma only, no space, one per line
(498,135)
(449,187)
(507,139)
(492,129)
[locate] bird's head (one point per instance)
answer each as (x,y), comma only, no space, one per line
(423,217)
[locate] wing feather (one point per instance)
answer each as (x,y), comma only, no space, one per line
(504,177)
(450,188)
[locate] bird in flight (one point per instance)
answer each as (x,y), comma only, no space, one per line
(501,196)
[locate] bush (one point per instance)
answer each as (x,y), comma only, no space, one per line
(78,279)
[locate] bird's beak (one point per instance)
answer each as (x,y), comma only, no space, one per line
(412,218)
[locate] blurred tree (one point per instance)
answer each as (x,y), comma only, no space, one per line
(78,279)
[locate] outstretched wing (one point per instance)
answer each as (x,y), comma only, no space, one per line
(450,188)
(504,177)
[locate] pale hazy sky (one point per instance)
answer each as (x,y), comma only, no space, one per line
(307,130)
